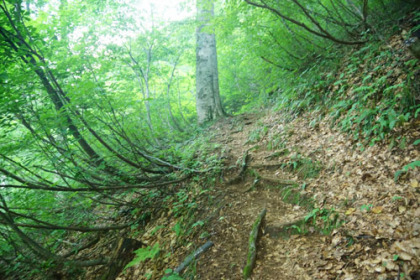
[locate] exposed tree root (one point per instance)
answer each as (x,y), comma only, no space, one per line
(244,166)
(193,256)
(268,166)
(278,181)
(253,238)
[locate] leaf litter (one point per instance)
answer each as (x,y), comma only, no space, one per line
(378,238)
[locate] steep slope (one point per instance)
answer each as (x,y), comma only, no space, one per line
(379,236)
(339,183)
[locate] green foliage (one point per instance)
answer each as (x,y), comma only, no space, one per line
(179,231)
(93,97)
(412,165)
(143,254)
(320,220)
(369,104)
(293,73)
(171,276)
(256,135)
(304,167)
(377,105)
(292,195)
(366,207)
(324,220)
(277,141)
(98,135)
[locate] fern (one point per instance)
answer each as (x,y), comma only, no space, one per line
(411,165)
(143,254)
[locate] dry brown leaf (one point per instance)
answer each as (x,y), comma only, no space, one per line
(350,211)
(328,266)
(380,269)
(404,256)
(336,240)
(401,209)
(377,209)
(390,265)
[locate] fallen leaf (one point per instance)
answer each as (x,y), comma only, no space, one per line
(350,211)
(380,269)
(328,266)
(336,240)
(390,265)
(377,209)
(401,209)
(414,183)
(404,256)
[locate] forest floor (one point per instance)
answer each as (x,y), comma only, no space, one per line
(335,207)
(380,233)
(333,210)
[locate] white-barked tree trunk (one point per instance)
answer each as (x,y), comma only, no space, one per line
(209,105)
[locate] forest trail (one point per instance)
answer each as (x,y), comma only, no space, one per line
(242,204)
(117,162)
(336,182)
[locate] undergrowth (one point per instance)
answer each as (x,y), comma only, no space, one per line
(318,219)
(370,94)
(304,167)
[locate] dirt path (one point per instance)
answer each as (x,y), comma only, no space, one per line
(242,206)
(380,233)
(334,210)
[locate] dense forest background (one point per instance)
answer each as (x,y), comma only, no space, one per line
(98,109)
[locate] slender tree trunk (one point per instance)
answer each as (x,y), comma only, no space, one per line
(180,105)
(146,95)
(209,106)
(168,97)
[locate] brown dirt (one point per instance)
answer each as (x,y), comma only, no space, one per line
(381,217)
(380,237)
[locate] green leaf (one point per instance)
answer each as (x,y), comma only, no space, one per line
(199,223)
(366,207)
(412,165)
(172,276)
(143,254)
(178,229)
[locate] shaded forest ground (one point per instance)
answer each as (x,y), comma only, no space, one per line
(363,224)
(381,217)
(335,208)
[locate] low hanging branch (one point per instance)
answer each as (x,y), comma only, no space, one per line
(317,30)
(72,228)
(97,189)
(253,238)
(83,247)
(277,65)
(48,226)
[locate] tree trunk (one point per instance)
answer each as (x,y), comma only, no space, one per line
(123,254)
(209,106)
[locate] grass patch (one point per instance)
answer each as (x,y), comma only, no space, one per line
(304,167)
(292,195)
